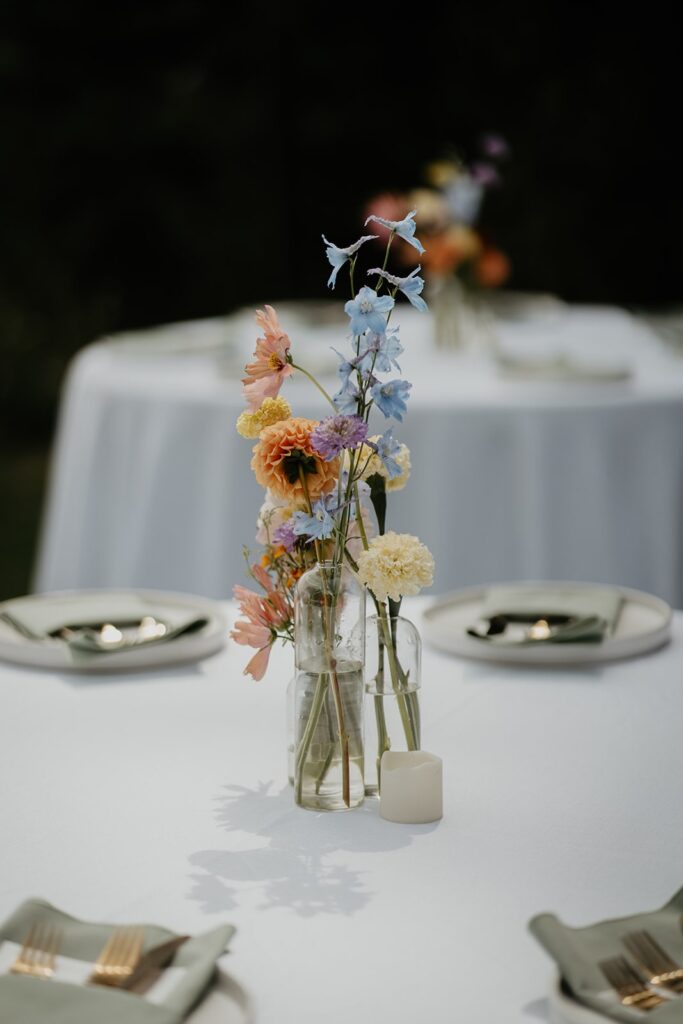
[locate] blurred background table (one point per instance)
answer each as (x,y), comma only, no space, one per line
(514,476)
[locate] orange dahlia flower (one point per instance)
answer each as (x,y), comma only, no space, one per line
(283,452)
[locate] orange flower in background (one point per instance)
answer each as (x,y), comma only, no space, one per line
(284,452)
(270,367)
(492,268)
(446,251)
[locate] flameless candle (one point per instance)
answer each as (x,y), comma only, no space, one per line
(412,787)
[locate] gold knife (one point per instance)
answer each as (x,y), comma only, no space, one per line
(151,964)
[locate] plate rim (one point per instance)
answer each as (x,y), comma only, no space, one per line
(614,649)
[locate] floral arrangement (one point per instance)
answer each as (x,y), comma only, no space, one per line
(449,210)
(323,478)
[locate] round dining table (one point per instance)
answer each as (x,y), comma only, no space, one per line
(554,451)
(162,797)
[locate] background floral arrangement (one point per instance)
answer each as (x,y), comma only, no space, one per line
(449,210)
(325,478)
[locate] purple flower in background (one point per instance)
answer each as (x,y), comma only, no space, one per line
(411,286)
(381,352)
(335,433)
(285,535)
(338,256)
(405,228)
(367,311)
(495,146)
(391,398)
(320,524)
(386,447)
(485,174)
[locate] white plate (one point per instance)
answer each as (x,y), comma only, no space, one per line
(644,624)
(225,1003)
(54,654)
(566,1010)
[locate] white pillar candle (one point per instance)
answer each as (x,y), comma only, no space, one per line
(412,787)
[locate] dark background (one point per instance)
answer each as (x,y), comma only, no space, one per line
(171,160)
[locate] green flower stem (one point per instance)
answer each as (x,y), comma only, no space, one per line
(403,705)
(380,282)
(321,389)
(307,738)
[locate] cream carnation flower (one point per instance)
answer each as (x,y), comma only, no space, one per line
(396,565)
(376,466)
(271,410)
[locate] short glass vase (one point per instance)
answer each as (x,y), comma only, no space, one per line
(392,674)
(329,645)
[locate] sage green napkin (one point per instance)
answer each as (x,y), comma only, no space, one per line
(597,608)
(36,617)
(25,1000)
(577,952)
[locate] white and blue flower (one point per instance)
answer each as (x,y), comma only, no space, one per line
(411,286)
(405,228)
(338,256)
(391,398)
(367,311)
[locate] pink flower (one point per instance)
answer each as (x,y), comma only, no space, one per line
(263,616)
(270,366)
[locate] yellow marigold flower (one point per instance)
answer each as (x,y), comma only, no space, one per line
(271,410)
(396,565)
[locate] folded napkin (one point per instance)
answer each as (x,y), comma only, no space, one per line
(577,952)
(597,607)
(37,617)
(25,1000)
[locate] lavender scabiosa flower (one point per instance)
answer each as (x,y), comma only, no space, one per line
(405,228)
(411,286)
(335,433)
(367,311)
(285,535)
(338,256)
(391,398)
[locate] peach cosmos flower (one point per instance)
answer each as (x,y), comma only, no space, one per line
(262,617)
(283,450)
(270,367)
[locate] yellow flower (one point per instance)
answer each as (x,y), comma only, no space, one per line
(376,466)
(396,565)
(271,410)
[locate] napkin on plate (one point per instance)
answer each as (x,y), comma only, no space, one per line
(598,607)
(37,617)
(577,952)
(25,1000)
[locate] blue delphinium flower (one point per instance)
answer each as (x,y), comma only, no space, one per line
(386,447)
(405,228)
(346,399)
(380,352)
(320,524)
(366,311)
(338,256)
(335,433)
(411,286)
(391,398)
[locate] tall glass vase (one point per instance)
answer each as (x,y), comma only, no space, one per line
(329,630)
(392,673)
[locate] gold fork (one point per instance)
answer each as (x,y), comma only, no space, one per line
(119,958)
(660,968)
(37,956)
(630,985)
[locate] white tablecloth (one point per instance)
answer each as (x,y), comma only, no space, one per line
(511,479)
(162,798)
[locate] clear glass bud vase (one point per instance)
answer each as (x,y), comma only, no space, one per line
(329,621)
(392,674)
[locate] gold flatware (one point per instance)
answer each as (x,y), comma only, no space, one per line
(629,984)
(655,961)
(119,957)
(151,965)
(37,956)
